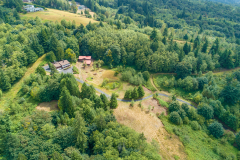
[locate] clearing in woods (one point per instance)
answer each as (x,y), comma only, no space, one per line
(57,15)
(152,127)
(48,106)
(11,94)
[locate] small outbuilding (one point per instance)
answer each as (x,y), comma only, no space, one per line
(85,59)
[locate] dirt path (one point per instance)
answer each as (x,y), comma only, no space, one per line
(11,94)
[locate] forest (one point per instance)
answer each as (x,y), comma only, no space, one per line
(188,39)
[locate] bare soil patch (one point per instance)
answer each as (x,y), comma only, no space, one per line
(48,106)
(152,128)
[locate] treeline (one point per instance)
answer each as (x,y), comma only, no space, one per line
(155,54)
(56,4)
(83,128)
(220,18)
(217,97)
(23,44)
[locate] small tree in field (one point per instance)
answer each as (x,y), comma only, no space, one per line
(132,103)
(113,101)
(175,118)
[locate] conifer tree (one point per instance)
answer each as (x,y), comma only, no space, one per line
(141,92)
(127,94)
(54,44)
(205,46)
(80,129)
(165,32)
(164,40)
(52,68)
(65,102)
(134,93)
(60,54)
(36,47)
(105,101)
(153,35)
(185,48)
(113,101)
(44,40)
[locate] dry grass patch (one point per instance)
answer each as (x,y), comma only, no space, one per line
(154,103)
(57,15)
(152,128)
(48,106)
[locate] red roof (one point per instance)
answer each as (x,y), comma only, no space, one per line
(85,57)
(88,61)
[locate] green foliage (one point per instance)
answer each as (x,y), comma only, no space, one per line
(216,129)
(205,110)
(75,70)
(41,71)
(174,106)
(195,126)
(51,57)
(175,118)
(134,93)
(141,92)
(113,101)
(162,102)
(1,94)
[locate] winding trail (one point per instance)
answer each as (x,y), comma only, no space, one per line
(124,100)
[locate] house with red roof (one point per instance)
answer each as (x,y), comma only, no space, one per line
(85,59)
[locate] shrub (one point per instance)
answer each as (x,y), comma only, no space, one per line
(206,111)
(1,93)
(195,126)
(21,100)
(185,120)
(175,118)
(146,75)
(216,150)
(174,106)
(229,136)
(75,70)
(162,102)
(186,140)
(116,73)
(182,113)
(216,129)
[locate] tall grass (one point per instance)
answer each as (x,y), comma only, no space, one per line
(162,102)
(198,144)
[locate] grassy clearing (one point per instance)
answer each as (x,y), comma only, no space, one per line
(11,94)
(57,15)
(48,106)
(198,144)
(176,91)
(149,86)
